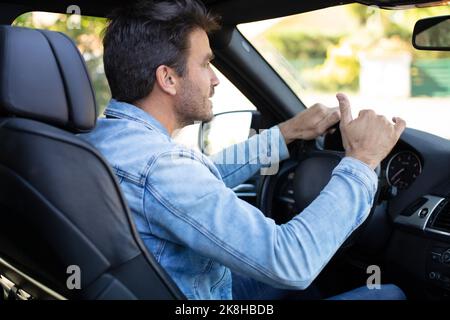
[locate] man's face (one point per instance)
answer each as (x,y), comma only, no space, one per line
(197,86)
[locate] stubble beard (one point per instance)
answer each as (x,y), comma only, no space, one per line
(192,107)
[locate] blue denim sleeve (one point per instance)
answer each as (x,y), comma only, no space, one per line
(187,203)
(241,161)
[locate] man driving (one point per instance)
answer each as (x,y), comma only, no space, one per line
(157,60)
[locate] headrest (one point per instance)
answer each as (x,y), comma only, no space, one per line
(43,77)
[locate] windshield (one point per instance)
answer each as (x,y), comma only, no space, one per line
(365,52)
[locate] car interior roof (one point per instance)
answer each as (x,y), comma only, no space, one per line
(232,11)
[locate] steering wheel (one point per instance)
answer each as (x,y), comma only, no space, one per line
(308,173)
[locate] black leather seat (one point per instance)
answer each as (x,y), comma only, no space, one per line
(60,204)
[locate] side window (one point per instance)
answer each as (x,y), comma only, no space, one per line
(228,98)
(87,33)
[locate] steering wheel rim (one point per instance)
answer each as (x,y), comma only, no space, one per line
(310,162)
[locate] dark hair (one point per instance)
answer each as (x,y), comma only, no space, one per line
(146,34)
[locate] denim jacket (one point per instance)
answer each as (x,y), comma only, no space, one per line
(199,230)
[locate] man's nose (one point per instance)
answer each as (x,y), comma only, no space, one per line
(214,80)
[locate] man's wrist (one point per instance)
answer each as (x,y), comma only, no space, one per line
(367,160)
(362,171)
(285,132)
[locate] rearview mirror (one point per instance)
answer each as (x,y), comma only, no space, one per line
(432,34)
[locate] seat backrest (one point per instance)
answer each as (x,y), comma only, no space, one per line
(65,229)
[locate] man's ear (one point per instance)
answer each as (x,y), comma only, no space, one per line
(166,79)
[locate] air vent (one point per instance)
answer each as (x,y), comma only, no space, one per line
(442,220)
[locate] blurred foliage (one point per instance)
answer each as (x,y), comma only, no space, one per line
(361,13)
(86,32)
(340,70)
(296,45)
(397,23)
(379,33)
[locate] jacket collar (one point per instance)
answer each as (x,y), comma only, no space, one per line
(123,110)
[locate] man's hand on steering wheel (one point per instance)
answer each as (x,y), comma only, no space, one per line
(309,124)
(370,137)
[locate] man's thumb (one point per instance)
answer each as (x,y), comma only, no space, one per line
(344,107)
(399,125)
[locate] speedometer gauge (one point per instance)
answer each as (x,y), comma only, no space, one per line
(402,169)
